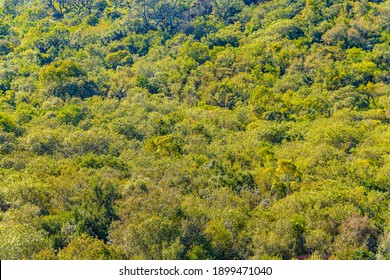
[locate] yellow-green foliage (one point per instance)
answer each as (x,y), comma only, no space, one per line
(194,129)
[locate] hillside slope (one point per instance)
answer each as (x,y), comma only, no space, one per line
(214,129)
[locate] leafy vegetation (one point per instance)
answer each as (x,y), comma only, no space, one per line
(213,129)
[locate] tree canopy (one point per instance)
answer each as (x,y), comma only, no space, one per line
(213,129)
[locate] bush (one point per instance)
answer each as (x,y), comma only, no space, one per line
(92,20)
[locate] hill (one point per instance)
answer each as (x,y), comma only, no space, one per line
(214,129)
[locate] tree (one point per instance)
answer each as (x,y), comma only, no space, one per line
(165,15)
(85,247)
(227,9)
(20,238)
(67,79)
(60,7)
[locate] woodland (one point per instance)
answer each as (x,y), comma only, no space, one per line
(194,129)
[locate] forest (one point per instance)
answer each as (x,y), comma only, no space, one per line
(194,129)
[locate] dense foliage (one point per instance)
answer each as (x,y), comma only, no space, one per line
(198,129)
